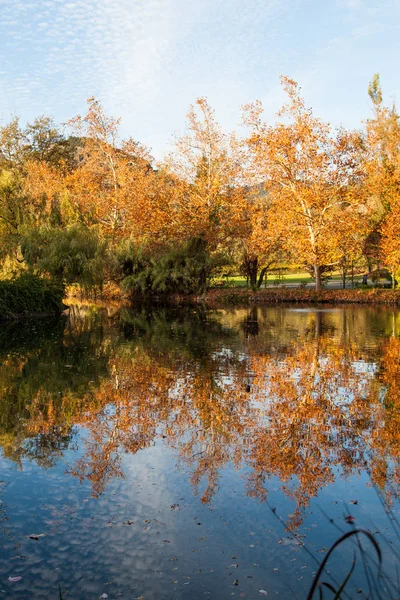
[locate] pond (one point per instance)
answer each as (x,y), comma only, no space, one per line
(193,454)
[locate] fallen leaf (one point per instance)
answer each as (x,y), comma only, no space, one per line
(350,519)
(104,596)
(236,582)
(36,536)
(263,592)
(15,579)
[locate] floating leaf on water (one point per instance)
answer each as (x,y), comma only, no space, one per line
(353,501)
(236,582)
(104,596)
(174,507)
(36,536)
(263,592)
(350,519)
(15,579)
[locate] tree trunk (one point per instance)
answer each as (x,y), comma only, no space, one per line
(261,277)
(252,266)
(393,281)
(250,325)
(317,276)
(344,278)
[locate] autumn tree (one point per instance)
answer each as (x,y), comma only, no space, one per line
(355,229)
(259,235)
(109,186)
(33,163)
(311,174)
(204,159)
(382,166)
(383,149)
(390,242)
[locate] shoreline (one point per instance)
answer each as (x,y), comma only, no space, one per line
(231,298)
(235,297)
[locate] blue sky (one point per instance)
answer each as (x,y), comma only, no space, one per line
(147,60)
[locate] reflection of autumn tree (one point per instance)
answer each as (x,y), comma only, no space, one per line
(181,393)
(299,412)
(385,436)
(293,395)
(45,370)
(311,405)
(214,419)
(124,413)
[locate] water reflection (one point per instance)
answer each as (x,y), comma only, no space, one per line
(290,393)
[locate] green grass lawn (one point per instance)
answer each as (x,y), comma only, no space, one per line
(292,278)
(239,281)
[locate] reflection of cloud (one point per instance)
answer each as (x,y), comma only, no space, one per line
(147,60)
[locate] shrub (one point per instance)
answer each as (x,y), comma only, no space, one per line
(185,269)
(29,295)
(72,255)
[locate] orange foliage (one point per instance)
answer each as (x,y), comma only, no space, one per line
(311,175)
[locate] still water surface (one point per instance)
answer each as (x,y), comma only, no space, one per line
(192,454)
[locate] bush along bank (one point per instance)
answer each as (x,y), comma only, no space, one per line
(29,295)
(226,297)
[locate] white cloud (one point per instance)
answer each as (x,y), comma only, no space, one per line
(147,60)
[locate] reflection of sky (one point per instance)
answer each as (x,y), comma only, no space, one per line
(147,60)
(131,542)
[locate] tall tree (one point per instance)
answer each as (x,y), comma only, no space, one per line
(259,235)
(204,159)
(110,184)
(383,173)
(390,242)
(311,173)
